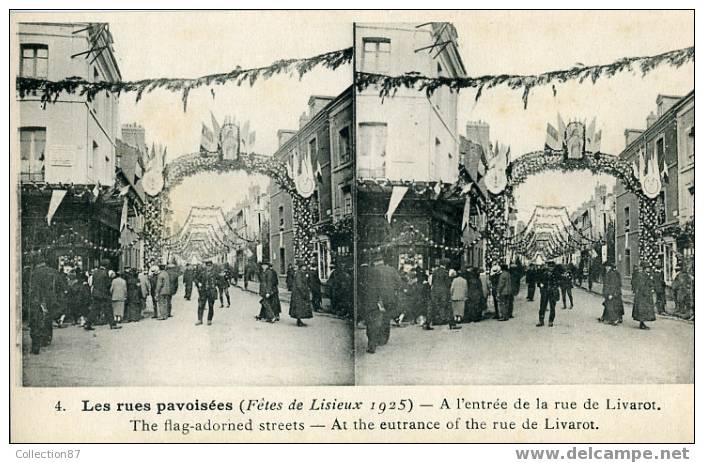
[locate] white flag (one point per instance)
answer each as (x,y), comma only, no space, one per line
(124,190)
(465,215)
(56,197)
(123,217)
(397,195)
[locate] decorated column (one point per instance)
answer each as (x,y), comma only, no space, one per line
(152,231)
(647,233)
(495,229)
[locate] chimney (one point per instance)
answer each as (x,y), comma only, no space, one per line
(651,119)
(316,103)
(631,135)
(284,136)
(303,120)
(665,102)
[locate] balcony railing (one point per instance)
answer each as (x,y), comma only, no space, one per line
(31,176)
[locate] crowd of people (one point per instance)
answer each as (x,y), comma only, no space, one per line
(57,298)
(451,296)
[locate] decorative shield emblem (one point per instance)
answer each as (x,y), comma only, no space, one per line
(652,185)
(574,140)
(153,182)
(495,180)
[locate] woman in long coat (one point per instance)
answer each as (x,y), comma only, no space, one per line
(643,291)
(458,295)
(134,297)
(613,302)
(269,291)
(476,298)
(300,307)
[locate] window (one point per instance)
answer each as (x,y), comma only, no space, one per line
(626,219)
(313,149)
(377,51)
(34,61)
(660,208)
(315,207)
(343,145)
(627,258)
(348,202)
(660,151)
(282,261)
(32,147)
(281,217)
(690,143)
(323,259)
(372,150)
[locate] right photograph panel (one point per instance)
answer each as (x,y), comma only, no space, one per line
(524,199)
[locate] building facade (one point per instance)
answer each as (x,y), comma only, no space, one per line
(326,135)
(69,145)
(408,141)
(661,139)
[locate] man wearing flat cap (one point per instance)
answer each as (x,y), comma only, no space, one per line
(440,310)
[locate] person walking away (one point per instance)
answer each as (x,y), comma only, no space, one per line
(504,291)
(613,301)
(316,296)
(79,296)
(643,292)
(566,286)
(300,305)
(163,292)
(530,282)
(362,293)
(269,291)
(153,274)
(494,275)
(188,281)
(384,286)
(174,275)
(223,283)
(476,300)
(516,271)
(102,298)
(658,277)
(549,284)
(290,271)
(458,295)
(682,288)
(207,283)
(440,309)
(145,291)
(43,300)
(118,294)
(134,296)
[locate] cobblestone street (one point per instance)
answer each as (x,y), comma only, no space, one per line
(577,350)
(236,350)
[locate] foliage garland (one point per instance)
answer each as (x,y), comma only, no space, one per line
(388,85)
(49,91)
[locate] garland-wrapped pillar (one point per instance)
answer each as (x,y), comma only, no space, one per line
(647,233)
(152,231)
(496,229)
(302,229)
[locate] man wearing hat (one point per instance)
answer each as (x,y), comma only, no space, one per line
(300,307)
(163,292)
(613,302)
(658,277)
(682,293)
(44,290)
(269,291)
(102,297)
(316,295)
(206,282)
(174,274)
(494,275)
(549,284)
(440,309)
(384,285)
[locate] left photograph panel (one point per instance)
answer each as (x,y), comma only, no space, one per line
(183,204)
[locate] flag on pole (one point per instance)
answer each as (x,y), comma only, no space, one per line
(123,217)
(397,195)
(96,190)
(207,139)
(467,208)
(318,171)
(56,197)
(124,190)
(252,138)
(552,138)
(216,126)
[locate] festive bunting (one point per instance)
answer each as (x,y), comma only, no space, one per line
(397,195)
(56,197)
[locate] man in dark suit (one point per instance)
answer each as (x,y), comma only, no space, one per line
(102,297)
(549,284)
(658,277)
(188,281)
(316,294)
(174,274)
(530,281)
(206,282)
(439,308)
(382,298)
(44,291)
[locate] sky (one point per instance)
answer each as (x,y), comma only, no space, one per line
(529,43)
(193,44)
